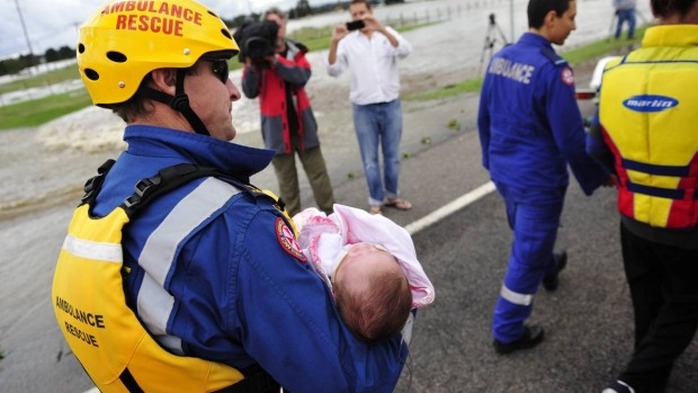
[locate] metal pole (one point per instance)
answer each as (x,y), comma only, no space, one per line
(26,35)
(511,20)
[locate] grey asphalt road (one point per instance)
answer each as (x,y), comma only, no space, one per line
(588,321)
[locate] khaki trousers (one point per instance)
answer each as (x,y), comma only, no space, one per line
(287,176)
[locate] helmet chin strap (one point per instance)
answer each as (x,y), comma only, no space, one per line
(178,102)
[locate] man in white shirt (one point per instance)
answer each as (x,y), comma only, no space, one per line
(371,53)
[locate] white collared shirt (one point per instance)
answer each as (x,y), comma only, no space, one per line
(375,77)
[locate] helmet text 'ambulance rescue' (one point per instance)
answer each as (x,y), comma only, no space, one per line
(157,24)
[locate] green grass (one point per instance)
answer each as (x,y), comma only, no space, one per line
(36,112)
(318,38)
(47,78)
(573,56)
(315,38)
(467,86)
(602,48)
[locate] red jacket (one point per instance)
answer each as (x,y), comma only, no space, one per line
(269,85)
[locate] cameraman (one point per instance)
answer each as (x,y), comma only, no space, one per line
(288,123)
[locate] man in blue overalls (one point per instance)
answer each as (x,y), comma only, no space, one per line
(530,129)
(211,269)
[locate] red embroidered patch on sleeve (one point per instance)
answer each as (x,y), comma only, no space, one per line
(287,240)
(567,76)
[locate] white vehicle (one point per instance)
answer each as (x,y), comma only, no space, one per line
(592,92)
(595,83)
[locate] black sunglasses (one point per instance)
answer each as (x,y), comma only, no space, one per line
(219,67)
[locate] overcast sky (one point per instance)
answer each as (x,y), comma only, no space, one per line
(53,23)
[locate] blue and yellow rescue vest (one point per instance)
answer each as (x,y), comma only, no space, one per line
(648,118)
(105,335)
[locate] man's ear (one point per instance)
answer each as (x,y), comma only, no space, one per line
(165,80)
(548,22)
(550,18)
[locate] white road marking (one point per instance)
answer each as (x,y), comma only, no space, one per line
(432,218)
(450,208)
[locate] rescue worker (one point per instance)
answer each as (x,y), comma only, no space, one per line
(192,282)
(648,135)
(530,128)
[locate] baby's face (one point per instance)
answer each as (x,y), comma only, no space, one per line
(363,260)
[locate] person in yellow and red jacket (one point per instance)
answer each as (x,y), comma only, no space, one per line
(288,123)
(646,130)
(192,284)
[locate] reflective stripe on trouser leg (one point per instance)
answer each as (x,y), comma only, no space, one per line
(535,229)
(520,299)
(509,316)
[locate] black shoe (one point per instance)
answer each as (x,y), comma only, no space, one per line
(532,336)
(551,281)
(618,387)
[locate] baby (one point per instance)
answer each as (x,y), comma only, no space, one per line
(371,266)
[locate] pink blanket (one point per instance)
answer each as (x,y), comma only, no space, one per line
(324,240)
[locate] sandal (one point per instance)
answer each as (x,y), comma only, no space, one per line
(376,210)
(398,203)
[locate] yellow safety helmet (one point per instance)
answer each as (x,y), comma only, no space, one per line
(125,40)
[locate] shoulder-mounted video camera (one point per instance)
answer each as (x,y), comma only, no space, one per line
(257,40)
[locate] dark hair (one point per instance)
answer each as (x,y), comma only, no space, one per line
(368,4)
(379,312)
(664,8)
(274,11)
(135,106)
(537,9)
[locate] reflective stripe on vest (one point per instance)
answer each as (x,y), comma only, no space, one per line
(649,123)
(160,251)
(103,332)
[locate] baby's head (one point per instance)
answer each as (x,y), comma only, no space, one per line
(372,292)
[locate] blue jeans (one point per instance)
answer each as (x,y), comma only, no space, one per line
(380,124)
(623,17)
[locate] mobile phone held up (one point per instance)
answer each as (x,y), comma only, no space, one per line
(355,25)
